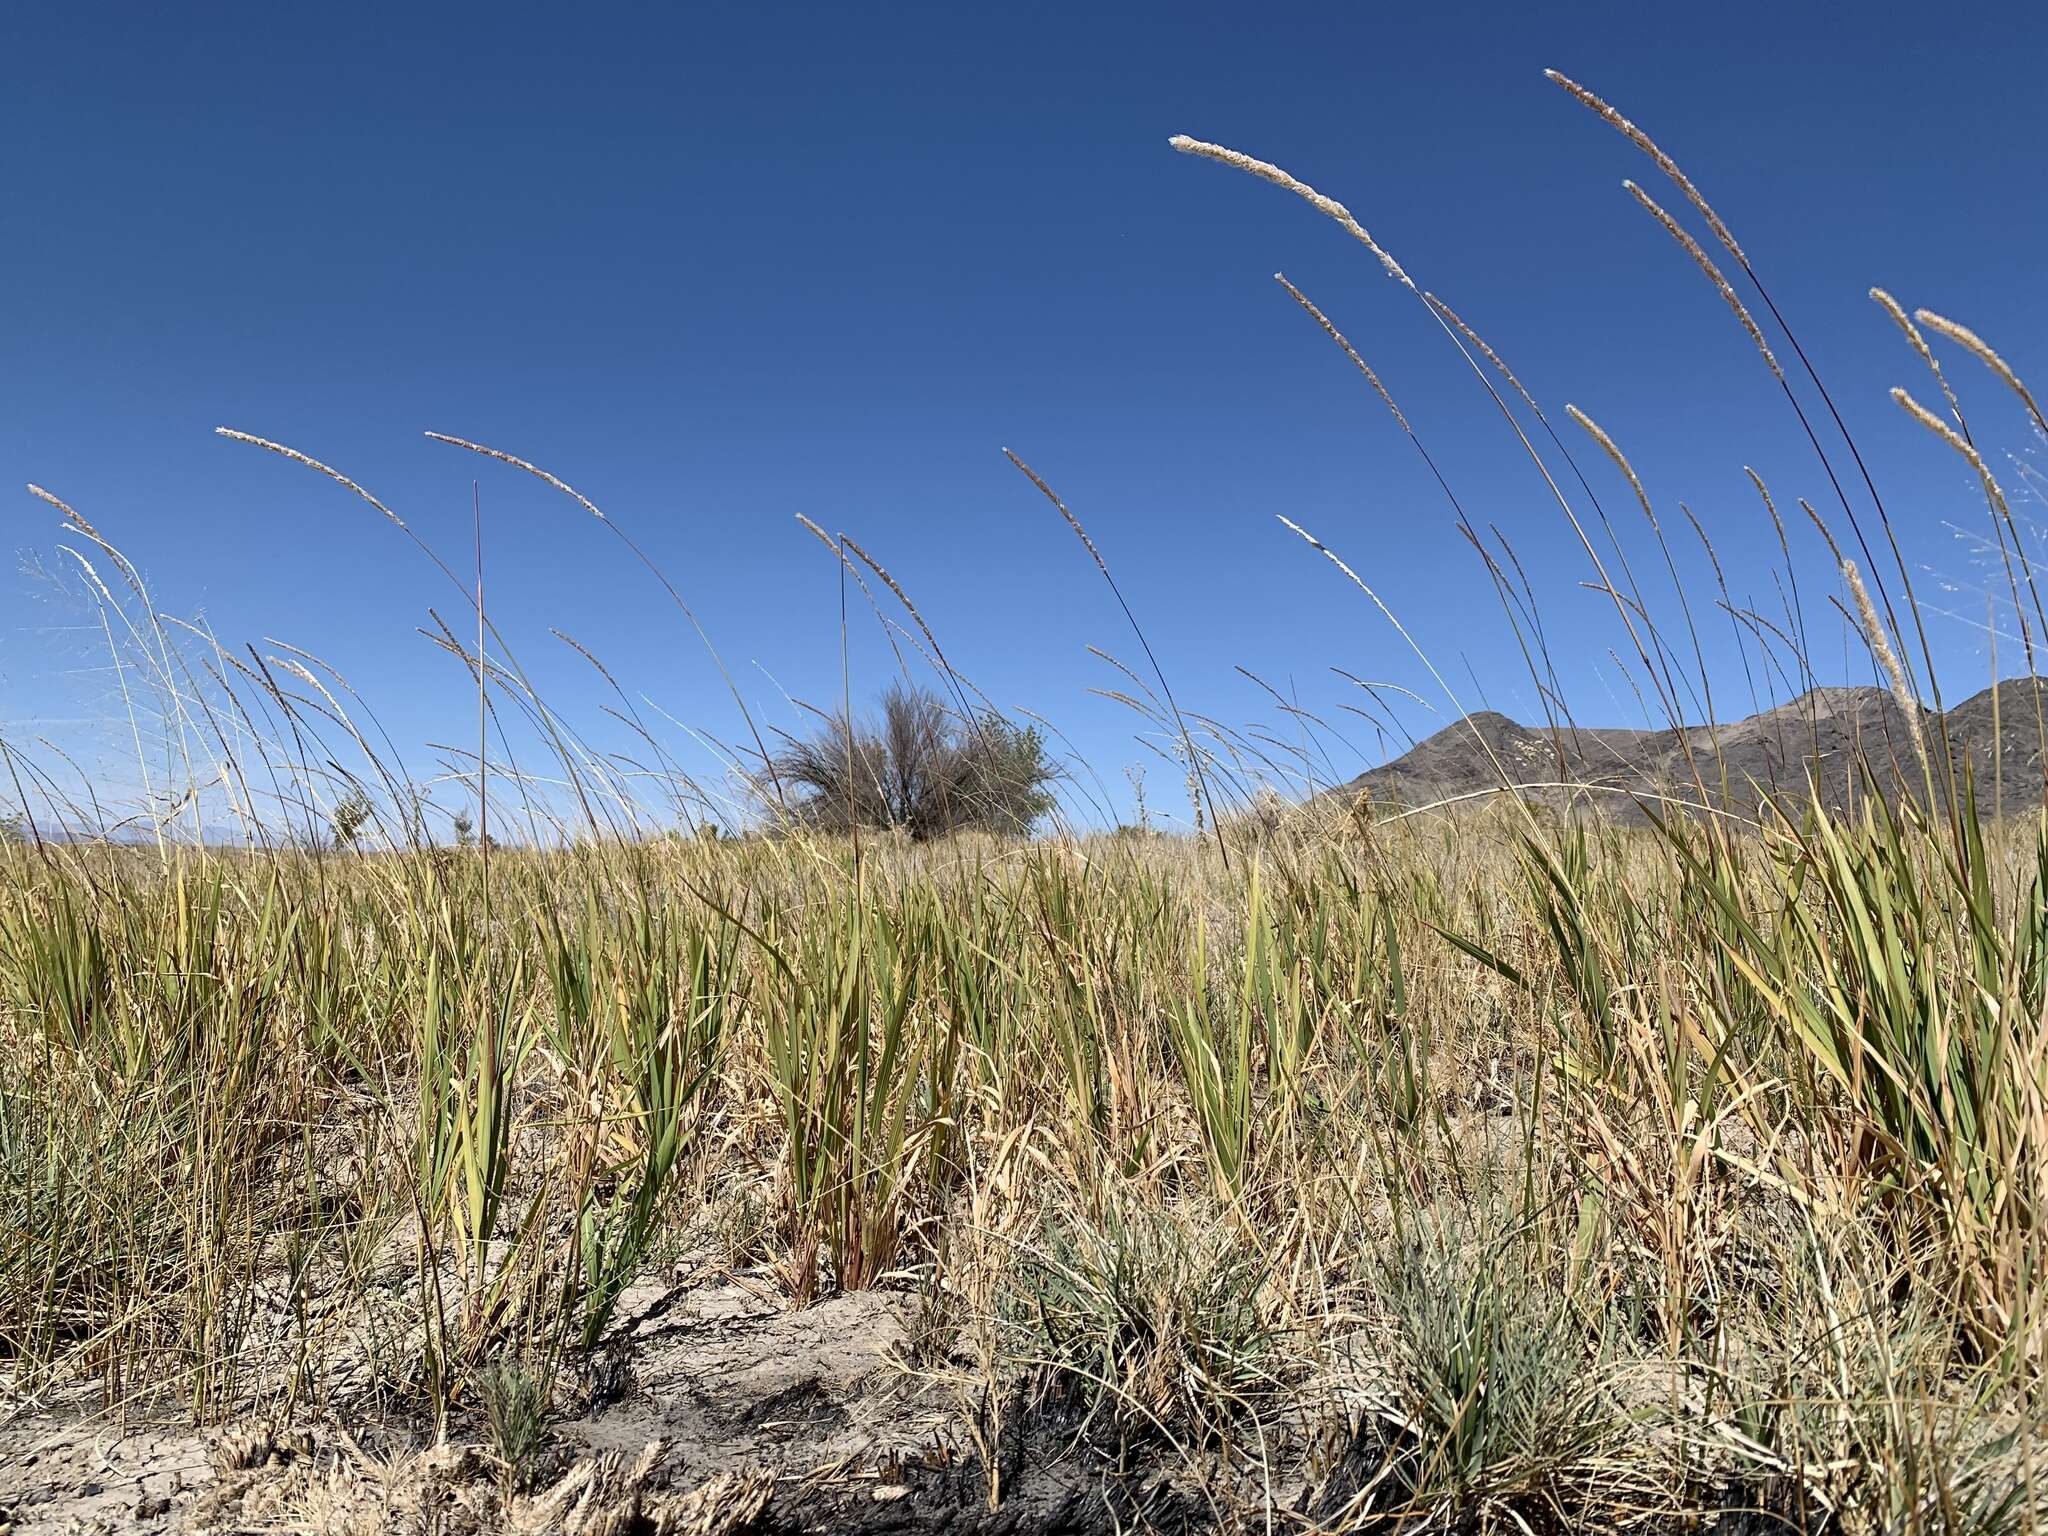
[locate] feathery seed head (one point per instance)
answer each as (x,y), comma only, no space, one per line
(1887,659)
(518,463)
(1762,490)
(1921,414)
(1486,351)
(1918,343)
(1349,351)
(1948,434)
(1301,189)
(1073,522)
(1613,451)
(1705,263)
(1892,307)
(1770,506)
(71,513)
(824,538)
(586,653)
(1979,348)
(894,586)
(311,463)
(1822,524)
(1649,147)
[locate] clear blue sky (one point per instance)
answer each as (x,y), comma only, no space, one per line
(717,266)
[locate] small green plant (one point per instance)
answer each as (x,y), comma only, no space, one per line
(1497,1402)
(514,1395)
(1215,1044)
(845,1066)
(640,1011)
(1144,1323)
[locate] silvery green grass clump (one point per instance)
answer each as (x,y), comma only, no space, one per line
(1486,1168)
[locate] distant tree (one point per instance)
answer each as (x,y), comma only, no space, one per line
(921,768)
(351,814)
(13,829)
(465,830)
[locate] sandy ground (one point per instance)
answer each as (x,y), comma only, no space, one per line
(720,1410)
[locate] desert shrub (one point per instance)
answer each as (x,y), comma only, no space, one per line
(350,817)
(924,768)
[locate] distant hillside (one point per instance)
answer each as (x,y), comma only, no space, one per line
(1822,733)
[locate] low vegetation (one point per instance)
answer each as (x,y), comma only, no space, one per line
(1666,1172)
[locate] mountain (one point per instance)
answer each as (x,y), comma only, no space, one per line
(1612,772)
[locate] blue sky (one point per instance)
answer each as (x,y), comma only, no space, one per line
(718,266)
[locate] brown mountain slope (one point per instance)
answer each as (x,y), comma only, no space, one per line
(1824,734)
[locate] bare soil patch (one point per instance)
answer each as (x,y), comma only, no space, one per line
(712,1409)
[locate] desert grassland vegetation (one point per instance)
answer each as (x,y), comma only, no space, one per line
(1458,1167)
(1575,1171)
